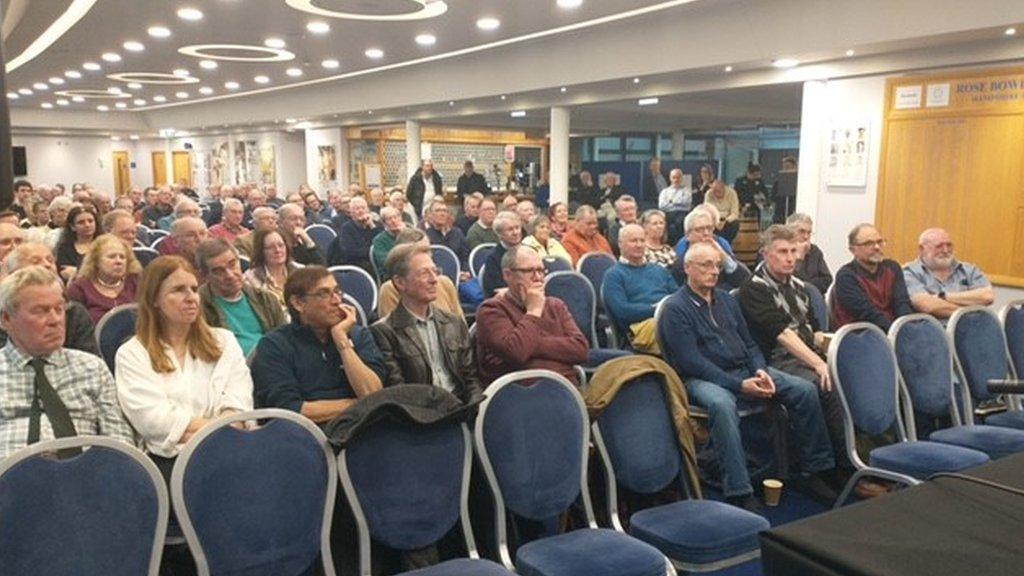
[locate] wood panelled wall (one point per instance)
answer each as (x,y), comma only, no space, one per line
(956,163)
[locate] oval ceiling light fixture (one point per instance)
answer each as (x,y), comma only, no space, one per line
(375,53)
(217,52)
(25,92)
(1010,31)
(40,86)
(152,78)
(181,73)
(206,90)
(330,64)
(850,52)
(63,102)
(159,31)
(426,39)
(111,57)
(318,27)
(427,9)
(139,102)
(120,105)
(274,42)
(231,85)
(103,108)
(518,114)
(190,14)
(159,98)
(181,95)
(46,105)
(786,63)
(133,137)
(134,86)
(488,23)
(261,79)
(83,94)
(208,64)
(78,99)
(12,96)
(647,101)
(56,81)
(294,72)
(91,66)
(133,46)
(74,74)
(570,3)
(727,69)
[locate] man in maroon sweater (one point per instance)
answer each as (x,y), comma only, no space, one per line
(521,329)
(870,288)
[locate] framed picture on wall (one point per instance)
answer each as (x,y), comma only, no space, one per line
(848,154)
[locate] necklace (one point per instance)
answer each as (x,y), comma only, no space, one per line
(109,285)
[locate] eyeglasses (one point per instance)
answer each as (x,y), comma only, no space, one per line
(326,294)
(871,244)
(531,271)
(708,265)
(703,229)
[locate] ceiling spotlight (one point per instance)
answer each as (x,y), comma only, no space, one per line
(488,23)
(290,120)
(103,108)
(181,73)
(208,64)
(1010,31)
(133,137)
(370,112)
(40,86)
(728,69)
(114,90)
(181,95)
(375,53)
(636,80)
(25,92)
(191,14)
(518,113)
(318,27)
(78,99)
(120,105)
(115,138)
(158,32)
(294,72)
(426,39)
(647,101)
(261,80)
(563,89)
(63,102)
(111,57)
(56,81)
(570,3)
(451,102)
(850,52)
(73,74)
(139,102)
(231,85)
(92,66)
(134,86)
(12,96)
(159,99)
(133,46)
(503,97)
(786,63)
(274,43)
(330,64)
(206,90)
(46,105)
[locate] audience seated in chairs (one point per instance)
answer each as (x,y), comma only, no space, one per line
(161,207)
(699,228)
(441,232)
(271,264)
(186,235)
(76,390)
(526,210)
(185,208)
(322,362)
(470,212)
(725,200)
(811,266)
(109,277)
(228,302)
(510,233)
(584,237)
(263,218)
(482,231)
(352,246)
(656,249)
(122,224)
(79,332)
(522,329)
(447,292)
(230,227)
(386,239)
(293,227)
(938,283)
(869,288)
(709,345)
(558,213)
(421,343)
(625,213)
(541,240)
(633,288)
(79,231)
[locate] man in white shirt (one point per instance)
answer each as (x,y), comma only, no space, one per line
(676,202)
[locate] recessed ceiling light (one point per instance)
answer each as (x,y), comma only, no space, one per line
(73,74)
(274,43)
(40,86)
(114,90)
(115,138)
(139,102)
(208,64)
(111,57)
(647,101)
(133,137)
(261,79)
(78,99)
(1010,31)
(370,112)
(503,97)
(451,102)
(786,63)
(46,105)
(134,86)
(563,89)
(375,53)
(181,72)
(25,92)
(191,14)
(56,81)
(12,96)
(850,52)
(181,95)
(518,113)
(63,102)
(728,69)
(426,39)
(158,32)
(290,120)
(636,80)
(294,72)
(159,99)
(206,90)
(569,3)
(488,23)
(318,27)
(103,108)
(330,63)
(92,66)
(231,85)
(120,105)
(133,46)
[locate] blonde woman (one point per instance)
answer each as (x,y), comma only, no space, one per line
(109,277)
(657,251)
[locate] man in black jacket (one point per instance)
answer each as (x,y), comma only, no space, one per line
(471,182)
(423,185)
(811,266)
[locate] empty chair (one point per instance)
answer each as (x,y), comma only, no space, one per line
(926,366)
(102,512)
(447,262)
(408,485)
(1012,317)
(555,264)
(257,502)
(357,282)
(478,257)
(531,437)
(593,265)
(980,354)
(638,445)
(322,235)
(145,255)
(115,328)
(575,290)
(864,372)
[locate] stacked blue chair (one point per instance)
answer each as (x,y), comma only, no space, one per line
(864,371)
(577,292)
(408,486)
(1012,318)
(981,354)
(116,327)
(447,262)
(478,257)
(102,512)
(532,436)
(926,367)
(357,282)
(145,255)
(257,501)
(321,235)
(638,445)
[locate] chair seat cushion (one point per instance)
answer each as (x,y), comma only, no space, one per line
(995,441)
(922,459)
(598,356)
(1008,419)
(462,567)
(589,552)
(699,531)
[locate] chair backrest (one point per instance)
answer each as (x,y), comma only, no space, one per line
(357,282)
(593,265)
(621,337)
(157,239)
(659,309)
(375,268)
(322,236)
(116,327)
(145,255)
(478,256)
(818,306)
(244,263)
(863,369)
(256,501)
(531,436)
(102,512)
(407,484)
(577,292)
(447,261)
(142,234)
(926,364)
(1012,317)
(360,313)
(556,264)
(979,348)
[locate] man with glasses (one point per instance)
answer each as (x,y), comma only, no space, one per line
(699,228)
(810,264)
(870,288)
(938,283)
(323,361)
(521,329)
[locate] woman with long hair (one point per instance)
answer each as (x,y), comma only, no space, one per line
(109,277)
(271,263)
(558,216)
(657,250)
(707,178)
(79,231)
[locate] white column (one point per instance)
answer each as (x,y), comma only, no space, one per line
(559,168)
(813,126)
(678,145)
(413,155)
(169,160)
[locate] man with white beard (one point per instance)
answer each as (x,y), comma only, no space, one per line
(938,283)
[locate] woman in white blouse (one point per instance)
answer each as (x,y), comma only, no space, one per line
(177,373)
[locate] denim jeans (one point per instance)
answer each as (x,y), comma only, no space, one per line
(800,398)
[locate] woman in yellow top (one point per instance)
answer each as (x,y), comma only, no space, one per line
(541,240)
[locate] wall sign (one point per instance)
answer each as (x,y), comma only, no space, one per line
(908,97)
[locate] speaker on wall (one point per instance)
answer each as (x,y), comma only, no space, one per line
(19,161)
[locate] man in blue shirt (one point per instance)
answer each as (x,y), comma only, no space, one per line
(707,342)
(699,228)
(938,283)
(633,288)
(323,361)
(352,246)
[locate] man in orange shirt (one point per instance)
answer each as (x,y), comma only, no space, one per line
(584,237)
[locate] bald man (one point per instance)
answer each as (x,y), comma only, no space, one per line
(938,283)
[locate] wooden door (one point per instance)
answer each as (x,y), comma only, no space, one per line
(122,178)
(182,167)
(159,169)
